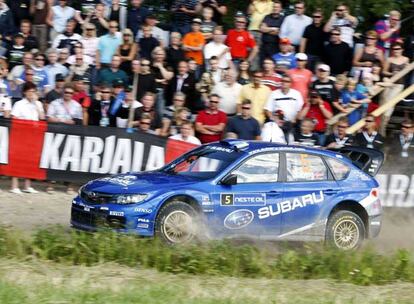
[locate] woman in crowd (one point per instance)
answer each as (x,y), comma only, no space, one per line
(244,73)
(127,51)
(367,56)
(394,64)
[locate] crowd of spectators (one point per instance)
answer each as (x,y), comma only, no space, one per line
(271,76)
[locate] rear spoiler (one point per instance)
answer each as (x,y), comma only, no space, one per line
(368,160)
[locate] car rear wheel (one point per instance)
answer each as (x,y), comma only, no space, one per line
(345,230)
(177,223)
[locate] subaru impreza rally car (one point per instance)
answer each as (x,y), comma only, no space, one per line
(239,188)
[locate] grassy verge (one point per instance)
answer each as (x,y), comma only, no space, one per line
(45,282)
(219,258)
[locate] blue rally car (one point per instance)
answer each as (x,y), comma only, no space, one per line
(239,188)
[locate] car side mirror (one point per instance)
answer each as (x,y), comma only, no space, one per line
(229,180)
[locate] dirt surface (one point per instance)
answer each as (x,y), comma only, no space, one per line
(30,211)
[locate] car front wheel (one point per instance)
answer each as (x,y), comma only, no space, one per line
(176,223)
(345,230)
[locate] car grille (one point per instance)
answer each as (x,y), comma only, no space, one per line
(96,219)
(96,198)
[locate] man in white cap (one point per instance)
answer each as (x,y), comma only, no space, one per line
(301,77)
(324,85)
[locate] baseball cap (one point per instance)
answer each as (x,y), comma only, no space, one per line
(197,20)
(284,41)
(118,83)
(18,35)
(324,67)
(59,77)
(301,56)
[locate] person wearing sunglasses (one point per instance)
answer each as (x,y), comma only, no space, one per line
(338,54)
(210,123)
(393,64)
(399,148)
(244,126)
(339,138)
(369,137)
(341,18)
(388,30)
(313,40)
(294,25)
(241,43)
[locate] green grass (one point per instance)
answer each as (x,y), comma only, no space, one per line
(36,281)
(216,258)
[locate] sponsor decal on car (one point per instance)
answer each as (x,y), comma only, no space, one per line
(142,220)
(125,180)
(116,213)
(142,225)
(243,199)
(143,210)
(238,219)
(290,205)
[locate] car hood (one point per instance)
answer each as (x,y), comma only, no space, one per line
(137,182)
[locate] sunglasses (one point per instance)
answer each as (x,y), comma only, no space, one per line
(317,16)
(246,108)
(113,27)
(340,10)
(212,101)
(342,127)
(369,120)
(145,64)
(397,49)
(29,74)
(182,100)
(105,92)
(144,123)
(406,127)
(335,34)
(40,59)
(68,92)
(299,7)
(90,29)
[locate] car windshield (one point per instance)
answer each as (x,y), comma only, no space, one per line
(203,163)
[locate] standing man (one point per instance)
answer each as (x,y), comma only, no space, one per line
(339,138)
(313,40)
(183,11)
(286,99)
(294,25)
(65,110)
(369,137)
(136,16)
(338,54)
(258,94)
(108,45)
(54,67)
(245,126)
(229,91)
(185,134)
(341,19)
(210,123)
(400,148)
(113,73)
(241,42)
(323,84)
(270,29)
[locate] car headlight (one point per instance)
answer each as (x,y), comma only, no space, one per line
(130,198)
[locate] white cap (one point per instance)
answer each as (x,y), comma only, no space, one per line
(301,56)
(324,67)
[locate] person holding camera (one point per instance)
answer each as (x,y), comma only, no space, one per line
(342,19)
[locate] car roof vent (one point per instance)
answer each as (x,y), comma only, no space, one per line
(235,144)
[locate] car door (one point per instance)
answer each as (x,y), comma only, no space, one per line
(308,186)
(246,207)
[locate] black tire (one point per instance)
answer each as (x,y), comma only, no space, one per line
(165,218)
(345,230)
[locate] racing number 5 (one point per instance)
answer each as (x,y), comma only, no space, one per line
(227,199)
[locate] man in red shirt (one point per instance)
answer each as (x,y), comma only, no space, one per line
(241,43)
(301,77)
(81,96)
(319,111)
(210,123)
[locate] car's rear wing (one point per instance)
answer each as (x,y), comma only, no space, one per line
(368,160)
